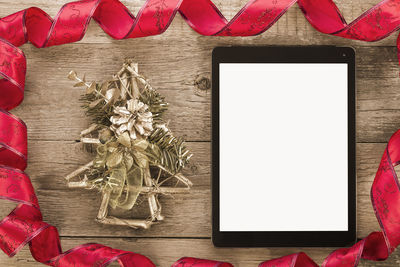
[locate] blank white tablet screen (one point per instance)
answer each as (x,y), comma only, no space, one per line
(283,147)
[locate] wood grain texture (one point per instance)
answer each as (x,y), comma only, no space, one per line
(178,64)
(187,215)
(175,70)
(165,251)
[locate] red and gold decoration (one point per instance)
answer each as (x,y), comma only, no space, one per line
(24,224)
(131,141)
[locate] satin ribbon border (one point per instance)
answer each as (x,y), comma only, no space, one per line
(24,224)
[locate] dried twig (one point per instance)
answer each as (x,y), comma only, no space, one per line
(126,112)
(78,171)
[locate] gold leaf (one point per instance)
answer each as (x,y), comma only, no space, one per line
(105,135)
(110,94)
(128,160)
(112,146)
(102,150)
(91,88)
(124,139)
(140,144)
(104,87)
(79,84)
(114,159)
(141,159)
(72,75)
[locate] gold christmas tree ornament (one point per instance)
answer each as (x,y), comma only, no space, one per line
(136,154)
(134,119)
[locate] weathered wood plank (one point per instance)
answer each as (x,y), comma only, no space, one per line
(52,111)
(291,28)
(50,161)
(163,252)
(187,215)
(51,108)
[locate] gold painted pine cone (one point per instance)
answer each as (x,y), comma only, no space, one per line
(133,118)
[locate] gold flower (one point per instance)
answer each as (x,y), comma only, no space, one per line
(133,118)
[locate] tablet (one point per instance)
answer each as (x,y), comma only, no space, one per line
(283,146)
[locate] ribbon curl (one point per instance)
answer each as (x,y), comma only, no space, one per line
(24,224)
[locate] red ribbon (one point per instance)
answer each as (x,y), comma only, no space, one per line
(24,224)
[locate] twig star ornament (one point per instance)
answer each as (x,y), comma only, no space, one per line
(136,153)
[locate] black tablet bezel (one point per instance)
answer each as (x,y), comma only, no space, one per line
(320,54)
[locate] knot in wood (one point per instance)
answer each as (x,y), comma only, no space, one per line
(202,83)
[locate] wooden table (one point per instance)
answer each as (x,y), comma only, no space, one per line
(178,63)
